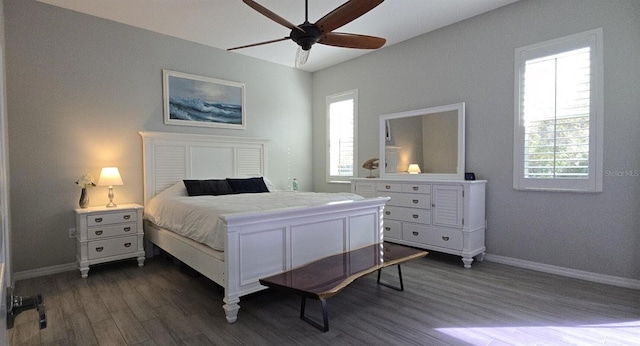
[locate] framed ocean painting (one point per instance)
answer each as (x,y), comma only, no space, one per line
(192,100)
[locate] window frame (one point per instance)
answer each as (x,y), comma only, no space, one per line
(593,39)
(342,96)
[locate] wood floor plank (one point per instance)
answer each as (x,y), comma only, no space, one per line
(107,333)
(130,327)
(79,329)
(160,332)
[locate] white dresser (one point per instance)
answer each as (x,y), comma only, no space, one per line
(439,215)
(108,234)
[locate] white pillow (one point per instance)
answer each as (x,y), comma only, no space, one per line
(176,190)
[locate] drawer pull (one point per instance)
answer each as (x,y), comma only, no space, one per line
(387,229)
(415,188)
(387,187)
(127,229)
(99,249)
(98,232)
(415,201)
(98,219)
(415,233)
(387,213)
(126,217)
(433,205)
(445,238)
(415,216)
(127,244)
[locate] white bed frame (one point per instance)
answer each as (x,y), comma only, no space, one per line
(258,244)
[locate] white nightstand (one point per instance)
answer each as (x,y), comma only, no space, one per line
(108,234)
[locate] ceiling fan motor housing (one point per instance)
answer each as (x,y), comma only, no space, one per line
(308,38)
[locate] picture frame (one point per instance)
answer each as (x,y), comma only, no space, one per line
(192,100)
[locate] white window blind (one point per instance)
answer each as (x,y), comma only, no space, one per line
(558,127)
(556,116)
(341,125)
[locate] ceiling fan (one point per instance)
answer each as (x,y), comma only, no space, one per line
(308,34)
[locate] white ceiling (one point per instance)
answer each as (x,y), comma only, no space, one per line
(230,23)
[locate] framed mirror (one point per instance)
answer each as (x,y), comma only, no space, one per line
(423,144)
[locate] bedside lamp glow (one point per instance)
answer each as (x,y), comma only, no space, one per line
(110,176)
(414,169)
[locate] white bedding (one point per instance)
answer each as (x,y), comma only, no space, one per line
(198,217)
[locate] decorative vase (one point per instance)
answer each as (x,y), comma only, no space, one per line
(84,198)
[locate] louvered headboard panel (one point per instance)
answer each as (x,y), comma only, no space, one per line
(171,157)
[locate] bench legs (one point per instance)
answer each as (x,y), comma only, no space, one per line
(401,288)
(325,315)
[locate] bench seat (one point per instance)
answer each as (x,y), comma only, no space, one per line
(326,277)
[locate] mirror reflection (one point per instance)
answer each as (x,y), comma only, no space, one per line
(427,142)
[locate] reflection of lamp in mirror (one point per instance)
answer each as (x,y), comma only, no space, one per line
(371,164)
(110,176)
(414,169)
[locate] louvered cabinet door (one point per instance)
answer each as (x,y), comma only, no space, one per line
(447,208)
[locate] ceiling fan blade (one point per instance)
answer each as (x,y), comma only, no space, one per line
(302,56)
(340,39)
(259,43)
(274,17)
(345,13)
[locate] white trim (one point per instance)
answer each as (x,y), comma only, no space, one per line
(591,38)
(34,273)
(567,272)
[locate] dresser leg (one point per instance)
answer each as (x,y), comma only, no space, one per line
(467,261)
(140,261)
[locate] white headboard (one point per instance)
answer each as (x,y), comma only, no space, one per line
(171,157)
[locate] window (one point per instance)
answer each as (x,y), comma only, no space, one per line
(342,119)
(558,114)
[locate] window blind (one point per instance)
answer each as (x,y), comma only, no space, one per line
(556,99)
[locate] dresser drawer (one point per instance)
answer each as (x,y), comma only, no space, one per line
(392,229)
(422,216)
(416,188)
(393,187)
(112,247)
(432,236)
(111,218)
(408,200)
(112,230)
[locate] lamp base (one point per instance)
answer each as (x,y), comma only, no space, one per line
(111,204)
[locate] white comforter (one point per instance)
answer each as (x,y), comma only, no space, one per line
(198,217)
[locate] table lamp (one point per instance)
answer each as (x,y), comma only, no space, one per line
(110,176)
(414,168)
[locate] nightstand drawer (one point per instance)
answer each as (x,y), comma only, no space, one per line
(112,230)
(422,216)
(111,218)
(112,247)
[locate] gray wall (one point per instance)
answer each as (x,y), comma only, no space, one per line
(473,62)
(79,90)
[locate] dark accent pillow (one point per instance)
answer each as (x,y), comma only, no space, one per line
(248,185)
(213,187)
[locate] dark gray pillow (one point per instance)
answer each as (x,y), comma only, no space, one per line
(248,185)
(211,187)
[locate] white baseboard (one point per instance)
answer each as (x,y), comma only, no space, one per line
(572,273)
(34,273)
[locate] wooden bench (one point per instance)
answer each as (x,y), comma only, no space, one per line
(326,277)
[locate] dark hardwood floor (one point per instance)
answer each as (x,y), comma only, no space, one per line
(443,304)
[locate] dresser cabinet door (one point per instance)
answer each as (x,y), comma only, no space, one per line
(447,206)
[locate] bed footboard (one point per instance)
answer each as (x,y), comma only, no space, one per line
(262,244)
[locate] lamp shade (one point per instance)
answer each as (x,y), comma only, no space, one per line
(110,176)
(414,169)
